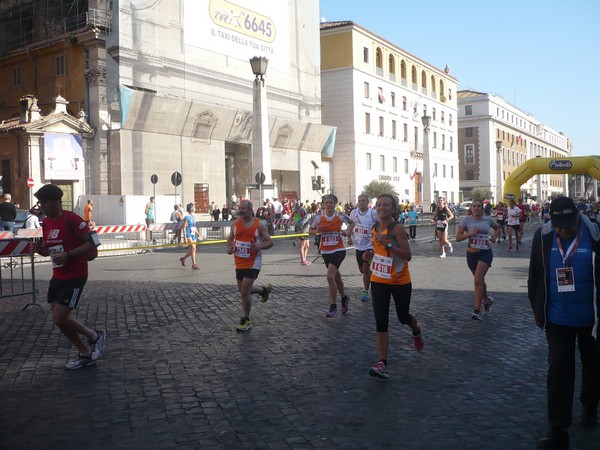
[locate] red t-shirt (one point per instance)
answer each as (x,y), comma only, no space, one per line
(63,234)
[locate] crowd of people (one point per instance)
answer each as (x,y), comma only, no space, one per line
(563,281)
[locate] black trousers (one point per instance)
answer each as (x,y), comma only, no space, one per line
(561,372)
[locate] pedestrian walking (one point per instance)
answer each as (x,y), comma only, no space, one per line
(176,218)
(66,239)
(564,290)
(390,278)
(477,228)
(513,225)
(246,241)
(88,213)
(191,236)
(364,219)
(150,212)
(412,216)
(328,224)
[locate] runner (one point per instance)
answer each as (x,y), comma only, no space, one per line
(191,236)
(364,218)
(476,228)
(440,218)
(512,224)
(390,278)
(66,239)
(328,224)
(246,240)
(501,221)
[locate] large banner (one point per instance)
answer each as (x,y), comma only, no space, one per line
(63,156)
(240,28)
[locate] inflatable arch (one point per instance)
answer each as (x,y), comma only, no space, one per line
(589,165)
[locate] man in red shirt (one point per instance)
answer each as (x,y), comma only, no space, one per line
(66,239)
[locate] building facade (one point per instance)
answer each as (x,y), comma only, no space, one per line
(167,87)
(376,94)
(495,138)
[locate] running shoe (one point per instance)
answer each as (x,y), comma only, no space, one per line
(365,296)
(266,292)
(182,261)
(97,346)
(244,325)
(82,360)
(195,267)
(450,248)
(332,311)
(345,301)
(487,309)
(510,250)
(306,262)
(418,340)
(379,370)
(443,255)
(476,316)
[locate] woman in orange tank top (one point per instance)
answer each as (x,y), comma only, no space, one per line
(390,277)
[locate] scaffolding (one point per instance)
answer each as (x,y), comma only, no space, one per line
(27,23)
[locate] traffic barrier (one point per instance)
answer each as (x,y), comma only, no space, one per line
(12,270)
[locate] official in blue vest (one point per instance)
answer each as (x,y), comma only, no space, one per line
(564,289)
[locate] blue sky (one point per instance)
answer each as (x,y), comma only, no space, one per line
(542,56)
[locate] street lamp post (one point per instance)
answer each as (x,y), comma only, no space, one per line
(499,179)
(261,152)
(427,195)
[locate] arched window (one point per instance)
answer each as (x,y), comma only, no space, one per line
(403,70)
(379,58)
(442,96)
(433,87)
(392,64)
(423,80)
(413,75)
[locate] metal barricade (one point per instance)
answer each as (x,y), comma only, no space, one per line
(13,253)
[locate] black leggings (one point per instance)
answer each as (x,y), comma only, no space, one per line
(413,231)
(381,294)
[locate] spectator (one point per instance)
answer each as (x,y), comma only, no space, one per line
(88,213)
(8,214)
(33,220)
(176,217)
(225,213)
(216,213)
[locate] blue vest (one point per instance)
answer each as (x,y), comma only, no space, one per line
(573,309)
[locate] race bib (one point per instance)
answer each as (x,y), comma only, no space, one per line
(361,231)
(565,279)
(381,266)
(330,239)
(440,224)
(54,251)
(242,249)
(480,241)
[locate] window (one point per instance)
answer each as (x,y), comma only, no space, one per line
(394,135)
(433,113)
(367,123)
(405,137)
(365,54)
(382,163)
(381,130)
(368,161)
(434,139)
(406,166)
(424,109)
(468,110)
(444,171)
(450,119)
(393,99)
(470,175)
(59,65)
(380,96)
(451,171)
(379,58)
(435,170)
(442,114)
(443,142)
(469,132)
(395,164)
(404,104)
(16,77)
(449,94)
(366,90)
(451,144)
(469,159)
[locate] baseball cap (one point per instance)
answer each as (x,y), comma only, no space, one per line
(49,192)
(563,212)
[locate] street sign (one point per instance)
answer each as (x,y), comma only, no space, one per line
(259,186)
(154,179)
(30,182)
(176,179)
(260,177)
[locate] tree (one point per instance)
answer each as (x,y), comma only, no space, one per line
(481,193)
(375,188)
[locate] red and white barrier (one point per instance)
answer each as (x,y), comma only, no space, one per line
(14,247)
(103,229)
(166,226)
(30,233)
(6,235)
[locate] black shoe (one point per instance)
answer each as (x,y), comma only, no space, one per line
(556,439)
(588,420)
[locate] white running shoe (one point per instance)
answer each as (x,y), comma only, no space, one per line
(443,255)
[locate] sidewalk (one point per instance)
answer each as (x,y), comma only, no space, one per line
(176,375)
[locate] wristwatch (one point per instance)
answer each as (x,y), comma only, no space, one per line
(389,245)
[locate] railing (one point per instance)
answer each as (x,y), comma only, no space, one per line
(13,253)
